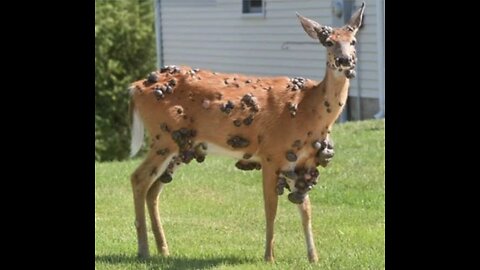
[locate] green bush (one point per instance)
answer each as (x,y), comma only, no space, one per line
(124,52)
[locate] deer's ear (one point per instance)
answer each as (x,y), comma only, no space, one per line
(357,18)
(311,27)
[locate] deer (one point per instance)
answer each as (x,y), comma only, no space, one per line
(278,125)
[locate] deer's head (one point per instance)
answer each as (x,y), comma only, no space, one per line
(340,42)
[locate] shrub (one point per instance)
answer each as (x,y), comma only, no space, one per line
(124,52)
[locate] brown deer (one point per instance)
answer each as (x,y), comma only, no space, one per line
(276,124)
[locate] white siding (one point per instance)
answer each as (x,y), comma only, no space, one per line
(215,35)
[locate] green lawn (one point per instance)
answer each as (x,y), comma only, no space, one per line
(213,213)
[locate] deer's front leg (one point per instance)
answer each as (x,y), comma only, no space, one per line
(306,214)
(271,200)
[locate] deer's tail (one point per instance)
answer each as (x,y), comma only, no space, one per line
(137,128)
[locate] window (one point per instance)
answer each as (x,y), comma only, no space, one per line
(253,6)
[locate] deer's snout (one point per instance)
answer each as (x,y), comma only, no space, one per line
(343,61)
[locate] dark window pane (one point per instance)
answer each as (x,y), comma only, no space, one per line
(256,3)
(252,6)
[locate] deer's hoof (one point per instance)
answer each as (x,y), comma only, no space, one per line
(143,255)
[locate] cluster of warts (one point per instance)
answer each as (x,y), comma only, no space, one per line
(324,153)
(160,90)
(304,178)
(292,107)
(193,71)
(297,83)
(170,69)
(183,137)
(247,101)
(324,33)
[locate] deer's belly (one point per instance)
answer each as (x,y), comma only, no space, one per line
(221,151)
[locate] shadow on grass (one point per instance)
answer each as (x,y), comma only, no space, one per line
(172,262)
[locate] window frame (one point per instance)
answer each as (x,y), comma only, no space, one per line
(250,14)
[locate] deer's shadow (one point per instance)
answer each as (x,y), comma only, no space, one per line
(173,262)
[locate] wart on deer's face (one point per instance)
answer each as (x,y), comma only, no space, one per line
(340,42)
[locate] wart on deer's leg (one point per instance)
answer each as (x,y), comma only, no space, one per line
(141,180)
(271,201)
(305,210)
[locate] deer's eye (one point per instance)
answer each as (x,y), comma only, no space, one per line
(328,43)
(353,42)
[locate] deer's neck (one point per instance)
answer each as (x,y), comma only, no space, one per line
(328,99)
(335,91)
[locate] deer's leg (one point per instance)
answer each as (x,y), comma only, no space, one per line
(152,204)
(142,180)
(306,214)
(271,200)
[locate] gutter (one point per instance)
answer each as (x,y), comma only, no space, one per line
(158,32)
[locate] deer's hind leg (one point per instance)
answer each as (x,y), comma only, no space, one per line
(270,201)
(144,186)
(152,204)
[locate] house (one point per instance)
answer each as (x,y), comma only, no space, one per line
(264,37)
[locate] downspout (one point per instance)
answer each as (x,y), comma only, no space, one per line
(381,58)
(158,32)
(359,85)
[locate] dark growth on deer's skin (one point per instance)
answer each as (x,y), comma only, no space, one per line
(238,142)
(248,165)
(247,156)
(247,121)
(297,144)
(237,122)
(164,127)
(166,177)
(228,107)
(152,77)
(291,156)
(163,151)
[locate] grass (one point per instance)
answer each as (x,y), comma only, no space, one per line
(213,213)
